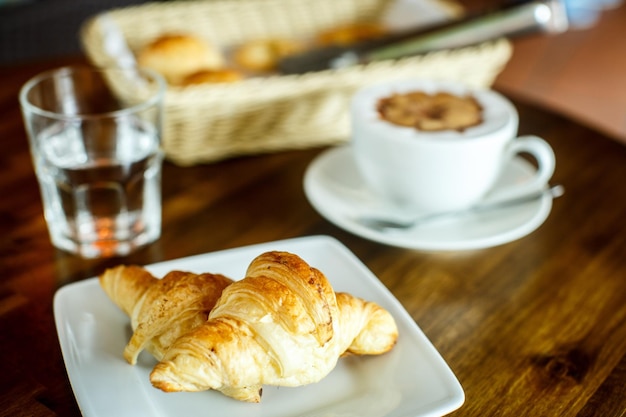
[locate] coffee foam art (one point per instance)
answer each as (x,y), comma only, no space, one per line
(497,112)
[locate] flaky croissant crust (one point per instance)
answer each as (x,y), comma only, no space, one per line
(281,325)
(161,310)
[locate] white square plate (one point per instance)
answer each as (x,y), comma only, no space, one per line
(411,380)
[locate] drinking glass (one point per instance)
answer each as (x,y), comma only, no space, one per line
(95,139)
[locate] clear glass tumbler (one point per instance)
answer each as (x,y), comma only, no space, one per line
(95,138)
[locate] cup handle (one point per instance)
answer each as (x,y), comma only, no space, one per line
(541,151)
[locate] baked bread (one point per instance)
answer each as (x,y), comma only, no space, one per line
(207,76)
(282,325)
(263,55)
(351,33)
(175,56)
(160,310)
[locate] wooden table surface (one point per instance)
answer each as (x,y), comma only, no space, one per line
(535,327)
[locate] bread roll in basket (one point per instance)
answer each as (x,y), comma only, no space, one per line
(210,122)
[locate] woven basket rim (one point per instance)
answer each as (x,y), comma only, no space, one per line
(207,123)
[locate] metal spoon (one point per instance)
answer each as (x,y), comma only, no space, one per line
(379,223)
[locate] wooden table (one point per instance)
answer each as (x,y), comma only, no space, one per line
(535,327)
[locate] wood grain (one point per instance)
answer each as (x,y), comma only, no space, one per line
(535,327)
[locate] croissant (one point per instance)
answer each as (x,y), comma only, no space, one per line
(281,325)
(161,310)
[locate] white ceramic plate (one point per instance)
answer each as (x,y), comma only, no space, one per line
(335,189)
(411,380)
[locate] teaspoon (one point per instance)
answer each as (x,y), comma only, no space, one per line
(379,223)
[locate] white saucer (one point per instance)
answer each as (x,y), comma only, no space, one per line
(336,190)
(411,380)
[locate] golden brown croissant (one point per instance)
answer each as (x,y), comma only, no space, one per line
(281,325)
(161,310)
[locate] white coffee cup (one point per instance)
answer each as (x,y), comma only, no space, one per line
(443,170)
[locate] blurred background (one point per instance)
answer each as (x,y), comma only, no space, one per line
(580,73)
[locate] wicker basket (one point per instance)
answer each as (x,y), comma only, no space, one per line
(206,123)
